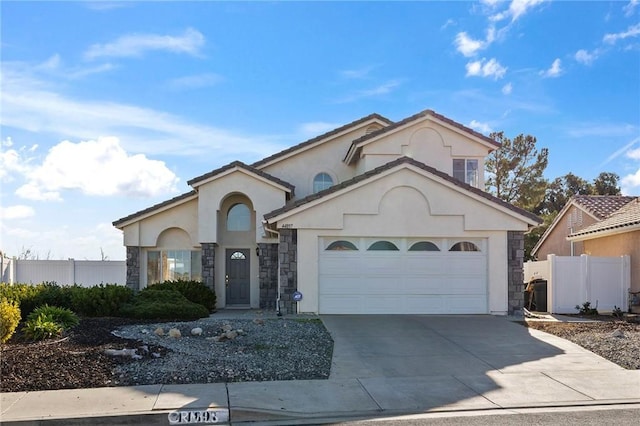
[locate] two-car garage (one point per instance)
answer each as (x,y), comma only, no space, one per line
(402,276)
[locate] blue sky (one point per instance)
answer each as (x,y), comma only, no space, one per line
(110,107)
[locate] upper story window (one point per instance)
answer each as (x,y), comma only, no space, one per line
(239,218)
(322,181)
(466,170)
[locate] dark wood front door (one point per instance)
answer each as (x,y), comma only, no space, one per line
(237,276)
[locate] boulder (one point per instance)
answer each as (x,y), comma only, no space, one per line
(175,333)
(159,331)
(196,331)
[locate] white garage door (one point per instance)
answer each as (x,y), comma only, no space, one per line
(402,276)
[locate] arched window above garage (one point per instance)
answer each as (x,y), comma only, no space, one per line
(464,246)
(341,245)
(383,245)
(321,182)
(424,246)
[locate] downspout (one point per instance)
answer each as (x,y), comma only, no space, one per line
(266,228)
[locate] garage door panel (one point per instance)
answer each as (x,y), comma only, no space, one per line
(397,282)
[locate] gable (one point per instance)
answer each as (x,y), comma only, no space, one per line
(412,194)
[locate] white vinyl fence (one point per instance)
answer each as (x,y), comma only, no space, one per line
(87,273)
(573,280)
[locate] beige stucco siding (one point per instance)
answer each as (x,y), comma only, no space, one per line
(618,245)
(426,142)
(300,169)
(145,232)
(556,241)
(264,196)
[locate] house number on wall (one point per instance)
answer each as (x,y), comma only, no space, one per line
(287,225)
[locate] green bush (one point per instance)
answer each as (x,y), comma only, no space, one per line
(41,327)
(586,309)
(31,296)
(194,291)
(9,318)
(100,301)
(62,316)
(162,304)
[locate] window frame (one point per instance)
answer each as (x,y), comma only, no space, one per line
(470,176)
(234,224)
(316,184)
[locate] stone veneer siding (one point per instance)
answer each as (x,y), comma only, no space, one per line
(133,268)
(268,275)
(208,264)
(288,259)
(515,250)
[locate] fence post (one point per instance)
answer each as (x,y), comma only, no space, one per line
(625,281)
(551,288)
(585,278)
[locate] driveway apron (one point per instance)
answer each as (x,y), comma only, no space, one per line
(372,346)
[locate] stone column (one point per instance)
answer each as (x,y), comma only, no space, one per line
(515,263)
(208,264)
(133,268)
(288,259)
(268,275)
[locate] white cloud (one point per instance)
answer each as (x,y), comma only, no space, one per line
(132,45)
(634,154)
(632,31)
(507,89)
(624,150)
(555,70)
(14,162)
(197,81)
(480,127)
(98,168)
(629,9)
(468,46)
(381,89)
(29,104)
(517,9)
(630,184)
(448,24)
(317,128)
(19,211)
(357,73)
(483,68)
(586,58)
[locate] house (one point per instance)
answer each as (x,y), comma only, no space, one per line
(580,212)
(616,235)
(372,217)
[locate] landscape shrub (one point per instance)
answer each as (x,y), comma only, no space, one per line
(194,291)
(30,296)
(47,321)
(162,305)
(23,294)
(104,300)
(66,318)
(586,309)
(9,318)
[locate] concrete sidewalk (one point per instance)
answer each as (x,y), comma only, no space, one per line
(453,370)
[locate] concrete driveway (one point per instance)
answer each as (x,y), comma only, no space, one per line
(425,345)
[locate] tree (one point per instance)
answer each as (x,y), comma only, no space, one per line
(607,184)
(515,171)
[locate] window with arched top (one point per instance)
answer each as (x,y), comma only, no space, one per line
(237,255)
(383,245)
(464,246)
(424,246)
(239,218)
(341,245)
(321,182)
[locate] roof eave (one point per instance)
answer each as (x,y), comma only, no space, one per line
(621,229)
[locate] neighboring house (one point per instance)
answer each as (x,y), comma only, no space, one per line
(580,212)
(372,217)
(616,235)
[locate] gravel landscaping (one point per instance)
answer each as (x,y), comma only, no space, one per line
(269,348)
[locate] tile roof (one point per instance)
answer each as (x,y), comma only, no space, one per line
(627,216)
(415,117)
(320,137)
(391,165)
(241,165)
(602,206)
(154,207)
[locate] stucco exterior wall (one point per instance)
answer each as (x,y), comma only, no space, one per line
(556,242)
(426,142)
(145,232)
(618,245)
(327,157)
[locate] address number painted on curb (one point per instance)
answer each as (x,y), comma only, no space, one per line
(199,416)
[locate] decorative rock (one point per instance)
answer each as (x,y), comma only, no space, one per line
(240,332)
(145,349)
(155,354)
(227,327)
(121,352)
(159,331)
(231,334)
(258,321)
(196,331)
(617,333)
(175,333)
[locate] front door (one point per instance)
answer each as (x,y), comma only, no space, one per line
(237,277)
